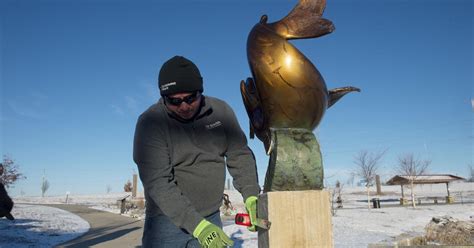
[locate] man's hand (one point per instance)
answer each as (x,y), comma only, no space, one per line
(251,206)
(211,236)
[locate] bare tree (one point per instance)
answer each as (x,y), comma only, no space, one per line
(350,180)
(336,197)
(471,173)
(412,167)
(128,186)
(367,166)
(44,186)
(10,172)
(108,188)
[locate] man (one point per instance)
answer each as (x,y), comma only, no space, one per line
(182,146)
(6,203)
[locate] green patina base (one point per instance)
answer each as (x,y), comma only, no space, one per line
(295,161)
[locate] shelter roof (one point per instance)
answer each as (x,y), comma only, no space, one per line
(423,179)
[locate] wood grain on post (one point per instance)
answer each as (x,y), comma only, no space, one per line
(298,219)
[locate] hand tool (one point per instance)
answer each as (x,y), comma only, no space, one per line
(244,220)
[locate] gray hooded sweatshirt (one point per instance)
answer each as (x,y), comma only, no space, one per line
(182,163)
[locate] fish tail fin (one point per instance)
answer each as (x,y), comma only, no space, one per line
(304,21)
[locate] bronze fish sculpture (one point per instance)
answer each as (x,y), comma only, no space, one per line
(287,91)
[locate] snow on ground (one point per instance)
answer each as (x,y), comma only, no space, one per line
(356,197)
(40,226)
(354,225)
(360,227)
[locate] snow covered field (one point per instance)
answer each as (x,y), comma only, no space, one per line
(354,225)
(40,226)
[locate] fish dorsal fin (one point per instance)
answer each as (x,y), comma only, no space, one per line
(304,21)
(338,93)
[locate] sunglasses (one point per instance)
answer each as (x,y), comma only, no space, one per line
(187,99)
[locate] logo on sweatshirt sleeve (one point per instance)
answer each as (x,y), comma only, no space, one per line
(214,125)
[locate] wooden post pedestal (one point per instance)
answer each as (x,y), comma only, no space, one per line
(298,219)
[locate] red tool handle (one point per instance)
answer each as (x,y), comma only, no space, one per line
(243,220)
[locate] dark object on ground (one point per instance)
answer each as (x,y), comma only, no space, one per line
(339,202)
(6,203)
(376,202)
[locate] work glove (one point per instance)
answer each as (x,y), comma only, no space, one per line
(251,207)
(211,236)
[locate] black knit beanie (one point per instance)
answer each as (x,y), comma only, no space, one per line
(178,75)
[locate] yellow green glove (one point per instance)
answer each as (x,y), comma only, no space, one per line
(211,236)
(251,206)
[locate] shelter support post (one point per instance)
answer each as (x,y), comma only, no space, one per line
(449,198)
(403,201)
(447,189)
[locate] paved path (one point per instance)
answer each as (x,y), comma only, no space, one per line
(107,230)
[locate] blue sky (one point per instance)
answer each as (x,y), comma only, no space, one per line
(75,75)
